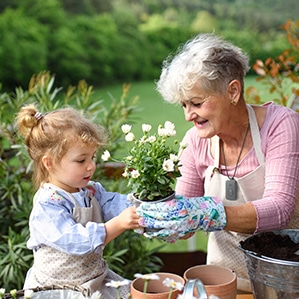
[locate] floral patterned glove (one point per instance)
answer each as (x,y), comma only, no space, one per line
(174,219)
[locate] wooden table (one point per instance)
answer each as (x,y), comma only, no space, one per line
(247,296)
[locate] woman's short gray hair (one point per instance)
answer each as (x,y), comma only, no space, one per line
(207,61)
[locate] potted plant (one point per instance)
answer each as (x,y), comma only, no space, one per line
(152,164)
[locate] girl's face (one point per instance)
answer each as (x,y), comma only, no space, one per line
(75,168)
(208,112)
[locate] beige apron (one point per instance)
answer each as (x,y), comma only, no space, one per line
(222,245)
(53,267)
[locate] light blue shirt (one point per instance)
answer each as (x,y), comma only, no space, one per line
(51,220)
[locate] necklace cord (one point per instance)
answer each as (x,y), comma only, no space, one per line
(242,147)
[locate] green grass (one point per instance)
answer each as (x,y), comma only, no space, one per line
(154,111)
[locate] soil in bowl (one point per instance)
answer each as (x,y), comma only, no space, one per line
(273,245)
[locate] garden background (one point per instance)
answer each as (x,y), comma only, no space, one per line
(52,51)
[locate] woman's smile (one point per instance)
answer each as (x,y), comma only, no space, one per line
(200,124)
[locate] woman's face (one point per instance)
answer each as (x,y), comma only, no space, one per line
(209,112)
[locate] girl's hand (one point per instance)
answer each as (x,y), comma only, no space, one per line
(129,219)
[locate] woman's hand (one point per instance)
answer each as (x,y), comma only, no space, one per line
(177,218)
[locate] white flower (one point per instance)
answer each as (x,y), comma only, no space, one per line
(117,284)
(126,128)
(162,132)
(96,295)
(147,276)
(2,291)
(168,165)
(28,294)
(169,128)
(146,128)
(106,156)
(143,139)
(173,284)
(125,174)
(174,158)
(168,125)
(135,174)
(130,137)
(151,139)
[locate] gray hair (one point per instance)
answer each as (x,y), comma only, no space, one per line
(207,61)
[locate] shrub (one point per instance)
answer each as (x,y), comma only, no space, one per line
(126,257)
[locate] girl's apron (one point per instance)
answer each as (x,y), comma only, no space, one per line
(53,267)
(223,245)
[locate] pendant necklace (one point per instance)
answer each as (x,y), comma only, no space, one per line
(231,185)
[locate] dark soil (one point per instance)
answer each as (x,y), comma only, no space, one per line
(273,246)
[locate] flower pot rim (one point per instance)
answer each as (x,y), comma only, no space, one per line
(173,276)
(166,198)
(232,281)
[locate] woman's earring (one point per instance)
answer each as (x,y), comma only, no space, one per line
(233,102)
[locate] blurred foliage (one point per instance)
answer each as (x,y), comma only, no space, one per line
(281,73)
(127,254)
(114,41)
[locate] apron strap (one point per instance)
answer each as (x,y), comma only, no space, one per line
(216,141)
(255,133)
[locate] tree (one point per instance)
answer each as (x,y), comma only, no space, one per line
(22,52)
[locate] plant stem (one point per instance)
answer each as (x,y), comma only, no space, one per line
(145,288)
(170,293)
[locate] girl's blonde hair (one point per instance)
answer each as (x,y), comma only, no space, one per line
(53,134)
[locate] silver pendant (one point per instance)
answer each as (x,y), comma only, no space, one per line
(231,188)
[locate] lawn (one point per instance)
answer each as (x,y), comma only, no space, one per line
(155,111)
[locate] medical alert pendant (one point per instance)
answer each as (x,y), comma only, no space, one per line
(231,188)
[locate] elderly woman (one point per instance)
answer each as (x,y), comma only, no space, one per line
(246,155)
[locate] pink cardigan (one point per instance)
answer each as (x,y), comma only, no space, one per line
(280,145)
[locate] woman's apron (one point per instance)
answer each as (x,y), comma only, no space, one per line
(53,267)
(222,245)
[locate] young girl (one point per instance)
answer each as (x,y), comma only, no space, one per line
(72,217)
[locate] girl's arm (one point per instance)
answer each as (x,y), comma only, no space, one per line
(128,219)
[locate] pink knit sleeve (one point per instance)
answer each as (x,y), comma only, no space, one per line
(280,144)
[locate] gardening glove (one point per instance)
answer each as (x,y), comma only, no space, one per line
(174,219)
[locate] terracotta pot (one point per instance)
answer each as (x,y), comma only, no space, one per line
(218,281)
(155,289)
